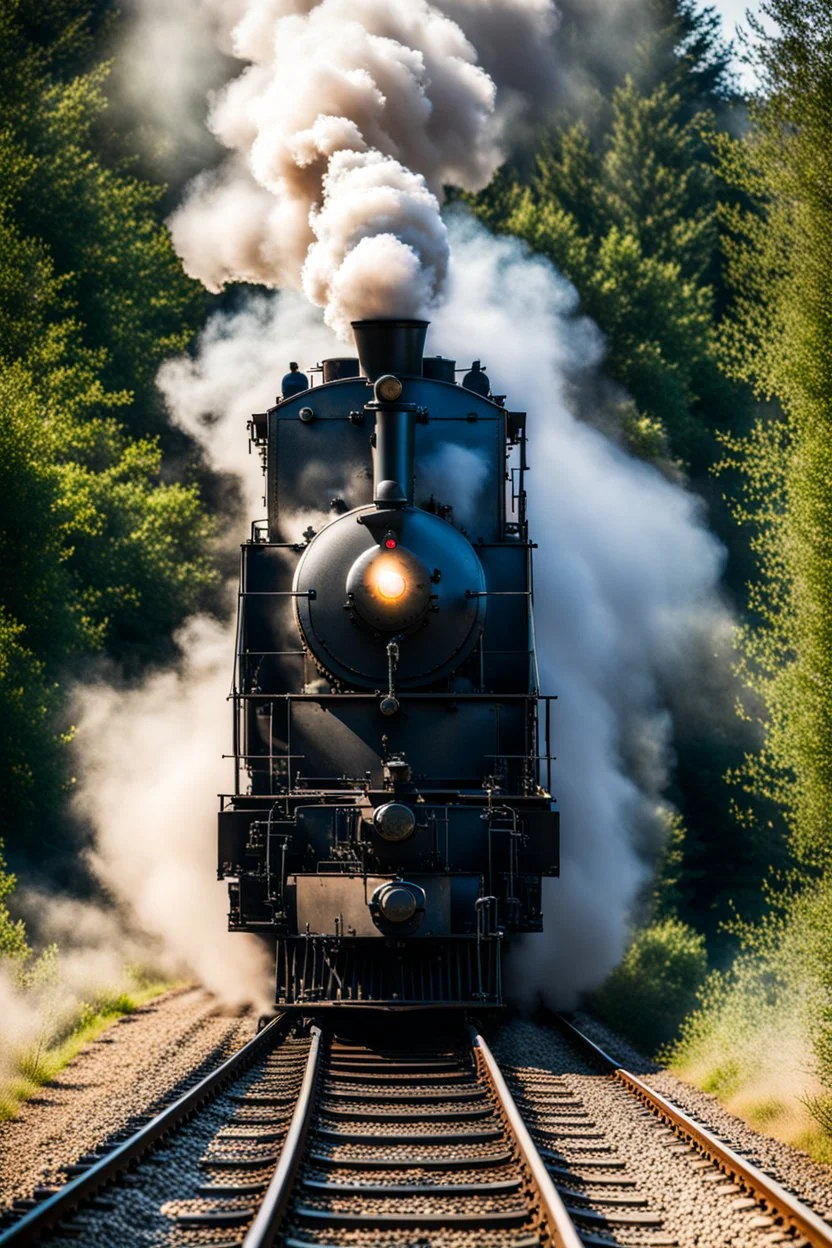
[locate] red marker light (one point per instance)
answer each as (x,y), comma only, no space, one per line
(390,543)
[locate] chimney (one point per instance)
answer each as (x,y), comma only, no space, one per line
(390,347)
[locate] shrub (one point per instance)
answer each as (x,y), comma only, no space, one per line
(655,984)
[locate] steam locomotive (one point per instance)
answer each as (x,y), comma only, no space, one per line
(392,817)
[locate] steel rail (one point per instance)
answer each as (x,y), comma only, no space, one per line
(46,1215)
(261,1233)
(781,1204)
(561,1229)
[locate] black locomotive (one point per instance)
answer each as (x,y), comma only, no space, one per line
(392,815)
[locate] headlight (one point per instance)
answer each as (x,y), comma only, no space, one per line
(389,589)
(388,389)
(389,583)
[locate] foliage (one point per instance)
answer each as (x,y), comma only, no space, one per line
(779,338)
(101,547)
(13,943)
(623,199)
(777,995)
(656,983)
(62,1033)
(760,1036)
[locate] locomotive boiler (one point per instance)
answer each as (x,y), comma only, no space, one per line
(392,817)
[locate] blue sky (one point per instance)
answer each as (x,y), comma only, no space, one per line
(733,13)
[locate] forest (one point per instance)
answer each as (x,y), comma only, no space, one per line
(694,222)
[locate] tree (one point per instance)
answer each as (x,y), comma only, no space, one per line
(626,197)
(780,339)
(102,546)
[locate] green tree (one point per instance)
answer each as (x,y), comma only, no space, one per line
(624,199)
(628,201)
(99,223)
(102,545)
(780,339)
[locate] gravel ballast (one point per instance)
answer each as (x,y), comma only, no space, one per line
(696,1206)
(136,1067)
(810,1181)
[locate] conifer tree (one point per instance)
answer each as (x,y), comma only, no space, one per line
(780,339)
(97,551)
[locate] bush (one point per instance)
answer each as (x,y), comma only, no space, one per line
(761,1035)
(655,984)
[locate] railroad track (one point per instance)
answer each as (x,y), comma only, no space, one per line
(605,1146)
(93,1207)
(411,1145)
(318,1138)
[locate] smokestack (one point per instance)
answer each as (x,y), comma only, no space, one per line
(390,347)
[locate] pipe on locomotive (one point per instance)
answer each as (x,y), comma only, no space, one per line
(395,348)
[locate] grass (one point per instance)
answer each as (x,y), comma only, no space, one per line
(760,1036)
(62,1039)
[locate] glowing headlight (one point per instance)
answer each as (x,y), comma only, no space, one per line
(389,589)
(390,584)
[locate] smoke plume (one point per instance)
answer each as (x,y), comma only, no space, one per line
(347,122)
(626,579)
(150,770)
(628,615)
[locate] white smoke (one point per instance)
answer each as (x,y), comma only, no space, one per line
(150,769)
(235,371)
(348,121)
(169,57)
(626,573)
(454,476)
(626,585)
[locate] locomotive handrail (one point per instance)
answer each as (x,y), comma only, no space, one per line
(276,593)
(373,696)
(498,593)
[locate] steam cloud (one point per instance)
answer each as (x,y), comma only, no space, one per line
(626,603)
(626,575)
(350,118)
(150,772)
